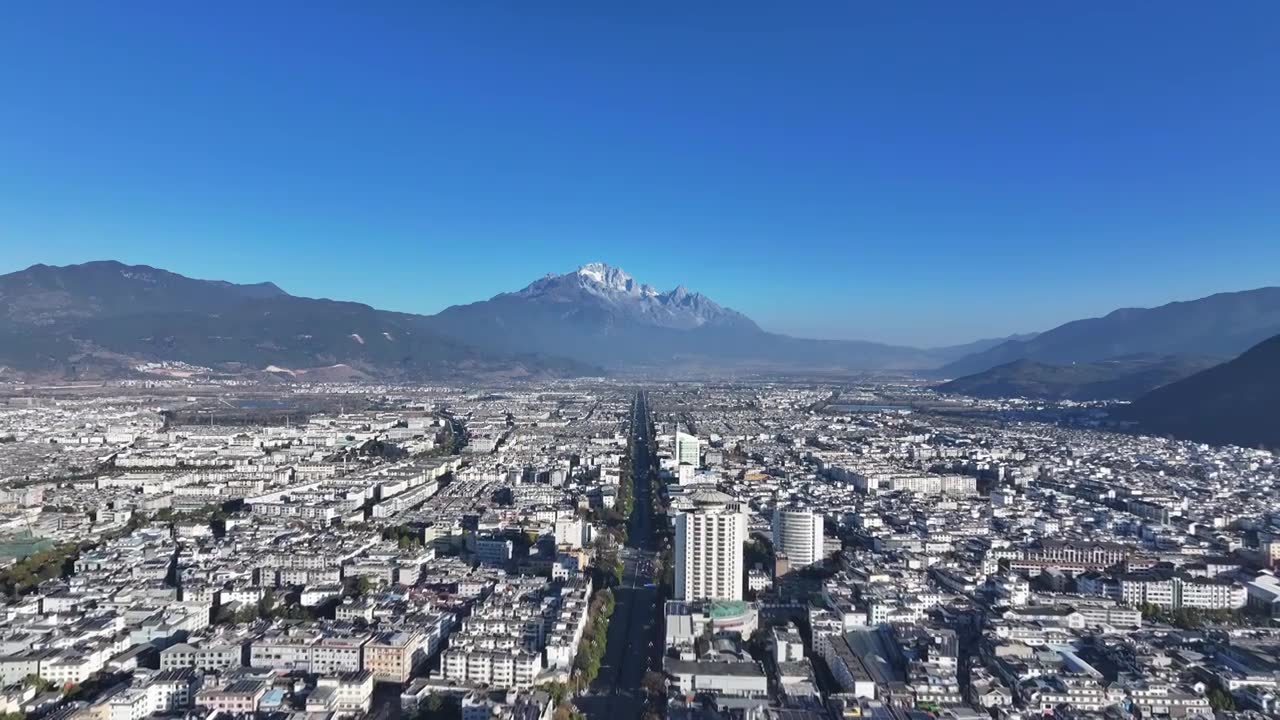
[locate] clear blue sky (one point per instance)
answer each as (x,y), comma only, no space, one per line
(911,172)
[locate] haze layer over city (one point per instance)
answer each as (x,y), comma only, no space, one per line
(504,361)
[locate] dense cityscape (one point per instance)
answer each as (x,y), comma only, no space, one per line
(588,360)
(592,548)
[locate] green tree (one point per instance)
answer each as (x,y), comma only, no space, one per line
(440,707)
(558,692)
(1221,700)
(654,683)
(40,684)
(359,586)
(591,649)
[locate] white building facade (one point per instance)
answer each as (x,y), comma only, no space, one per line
(709,539)
(797,533)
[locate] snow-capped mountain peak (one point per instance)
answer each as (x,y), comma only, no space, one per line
(612,279)
(624,297)
(603,274)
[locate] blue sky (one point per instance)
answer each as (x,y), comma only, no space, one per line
(918,172)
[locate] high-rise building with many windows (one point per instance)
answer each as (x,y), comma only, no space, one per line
(708,557)
(688,449)
(797,534)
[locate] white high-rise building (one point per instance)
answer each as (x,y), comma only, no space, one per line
(688,449)
(569,532)
(708,557)
(797,533)
(685,474)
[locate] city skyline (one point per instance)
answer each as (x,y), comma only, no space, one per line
(580,361)
(837,173)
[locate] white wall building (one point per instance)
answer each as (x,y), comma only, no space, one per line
(797,533)
(709,539)
(569,532)
(688,450)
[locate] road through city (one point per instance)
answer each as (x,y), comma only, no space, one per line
(635,642)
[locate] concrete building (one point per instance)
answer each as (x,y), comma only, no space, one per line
(494,551)
(569,532)
(708,552)
(352,691)
(797,534)
(688,450)
(392,657)
(505,669)
(240,697)
(732,679)
(1172,592)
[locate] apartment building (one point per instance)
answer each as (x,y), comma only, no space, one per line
(497,668)
(393,656)
(1172,591)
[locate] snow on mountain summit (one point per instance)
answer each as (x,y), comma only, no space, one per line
(612,279)
(624,296)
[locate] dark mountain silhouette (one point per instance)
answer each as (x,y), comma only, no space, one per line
(1115,379)
(1235,403)
(101,319)
(1222,325)
(44,294)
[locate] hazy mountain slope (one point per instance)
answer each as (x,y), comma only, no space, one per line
(1222,325)
(101,319)
(601,315)
(44,294)
(1116,379)
(949,353)
(1237,402)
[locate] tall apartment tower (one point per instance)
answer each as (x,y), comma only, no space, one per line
(797,533)
(688,449)
(709,539)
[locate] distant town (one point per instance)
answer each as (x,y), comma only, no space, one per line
(586,548)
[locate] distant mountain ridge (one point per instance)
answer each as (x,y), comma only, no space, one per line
(677,309)
(44,294)
(101,319)
(601,315)
(1116,379)
(1220,325)
(950,353)
(1233,403)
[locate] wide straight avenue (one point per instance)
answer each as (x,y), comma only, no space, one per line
(634,644)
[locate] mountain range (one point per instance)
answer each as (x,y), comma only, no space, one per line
(601,315)
(1222,325)
(104,319)
(1123,378)
(1232,403)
